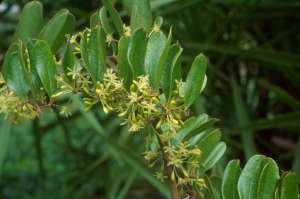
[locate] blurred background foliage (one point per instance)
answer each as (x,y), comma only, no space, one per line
(253,88)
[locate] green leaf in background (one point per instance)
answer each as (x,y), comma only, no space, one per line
(243,118)
(54,32)
(281,94)
(155,48)
(136,52)
(268,179)
(42,60)
(5,129)
(172,70)
(123,65)
(287,187)
(141,16)
(104,21)
(230,180)
(249,179)
(31,21)
(195,79)
(14,71)
(116,19)
(93,51)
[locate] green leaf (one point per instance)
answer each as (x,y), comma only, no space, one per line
(93,50)
(207,141)
(230,180)
(42,60)
(268,178)
(94,20)
(14,71)
(214,156)
(31,21)
(123,65)
(249,179)
(158,21)
(35,80)
(136,52)
(68,60)
(189,126)
(104,21)
(195,79)
(57,28)
(141,16)
(162,61)
(155,49)
(117,21)
(172,70)
(288,187)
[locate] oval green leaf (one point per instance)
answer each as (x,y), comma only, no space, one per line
(230,180)
(249,179)
(31,21)
(195,79)
(123,65)
(54,31)
(268,179)
(136,52)
(15,73)
(43,61)
(116,19)
(155,48)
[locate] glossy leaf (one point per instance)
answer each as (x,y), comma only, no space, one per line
(93,50)
(35,81)
(141,16)
(158,72)
(195,79)
(288,186)
(249,179)
(123,65)
(207,141)
(104,21)
(14,71)
(68,60)
(116,19)
(57,28)
(155,48)
(136,52)
(214,156)
(189,126)
(31,21)
(230,180)
(172,70)
(94,20)
(268,178)
(43,61)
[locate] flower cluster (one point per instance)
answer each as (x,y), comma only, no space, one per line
(15,108)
